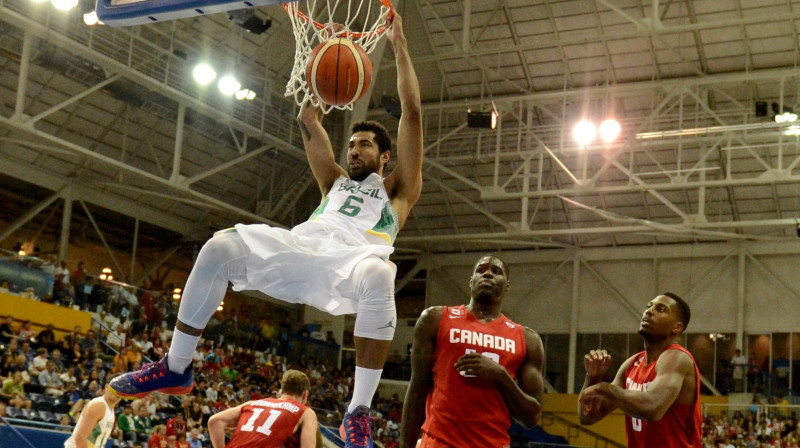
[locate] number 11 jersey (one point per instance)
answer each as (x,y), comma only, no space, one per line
(466,411)
(266,423)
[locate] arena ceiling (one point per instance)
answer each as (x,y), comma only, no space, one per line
(111,116)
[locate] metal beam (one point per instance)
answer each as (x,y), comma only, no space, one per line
(22,220)
(107,200)
(224,166)
(400,284)
(71,100)
(22,84)
(134,170)
(103,240)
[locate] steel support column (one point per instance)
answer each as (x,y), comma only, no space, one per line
(135,243)
(22,85)
(176,156)
(740,293)
(103,240)
(573,323)
(66,221)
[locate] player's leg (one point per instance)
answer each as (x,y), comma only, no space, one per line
(374,329)
(221,259)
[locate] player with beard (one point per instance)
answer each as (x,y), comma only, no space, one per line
(472,369)
(657,389)
(336,261)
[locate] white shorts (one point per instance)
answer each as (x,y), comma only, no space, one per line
(311,264)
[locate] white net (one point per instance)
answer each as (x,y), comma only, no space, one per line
(361,21)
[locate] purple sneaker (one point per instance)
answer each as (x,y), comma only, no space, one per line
(153,377)
(356,429)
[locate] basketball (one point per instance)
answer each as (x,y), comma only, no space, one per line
(339,72)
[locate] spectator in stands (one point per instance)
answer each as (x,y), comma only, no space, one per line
(21,366)
(122,363)
(68,376)
(159,435)
(13,392)
(26,332)
(99,368)
(58,362)
(29,293)
(25,349)
(46,337)
(62,275)
(7,331)
(90,388)
(73,398)
(330,338)
(89,343)
(739,364)
(78,275)
(126,424)
(74,356)
(71,338)
(39,363)
(5,286)
(116,339)
(176,425)
(194,439)
(50,381)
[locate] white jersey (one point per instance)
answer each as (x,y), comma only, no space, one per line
(101,431)
(312,263)
(361,209)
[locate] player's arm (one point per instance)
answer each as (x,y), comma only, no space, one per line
(523,397)
(421,376)
(405,182)
(310,436)
(91,415)
(318,147)
(221,420)
(591,411)
(651,404)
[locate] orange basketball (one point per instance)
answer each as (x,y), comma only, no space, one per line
(339,72)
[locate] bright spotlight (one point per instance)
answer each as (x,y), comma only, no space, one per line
(228,85)
(250,95)
(609,130)
(241,94)
(792,130)
(786,117)
(90,18)
(203,74)
(584,132)
(64,5)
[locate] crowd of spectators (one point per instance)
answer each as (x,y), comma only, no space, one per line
(753,428)
(58,376)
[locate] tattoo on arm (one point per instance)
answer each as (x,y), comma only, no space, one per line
(305,131)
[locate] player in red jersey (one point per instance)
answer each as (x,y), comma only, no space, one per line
(472,369)
(658,389)
(270,422)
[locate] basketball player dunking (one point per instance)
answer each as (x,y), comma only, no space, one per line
(658,389)
(336,261)
(475,368)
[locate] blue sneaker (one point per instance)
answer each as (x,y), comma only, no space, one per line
(356,429)
(153,377)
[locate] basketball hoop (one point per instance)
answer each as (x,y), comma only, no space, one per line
(336,19)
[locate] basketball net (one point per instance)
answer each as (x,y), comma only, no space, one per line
(310,31)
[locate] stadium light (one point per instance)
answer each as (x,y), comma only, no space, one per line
(228,85)
(244,94)
(609,130)
(203,74)
(64,5)
(90,18)
(584,132)
(176,293)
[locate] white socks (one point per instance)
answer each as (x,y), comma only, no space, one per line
(180,351)
(365,385)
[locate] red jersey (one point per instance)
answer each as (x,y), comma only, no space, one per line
(463,411)
(680,427)
(266,423)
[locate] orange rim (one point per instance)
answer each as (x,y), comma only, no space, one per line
(350,34)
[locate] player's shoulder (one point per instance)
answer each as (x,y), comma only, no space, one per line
(433,313)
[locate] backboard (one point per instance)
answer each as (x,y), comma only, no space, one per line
(139,12)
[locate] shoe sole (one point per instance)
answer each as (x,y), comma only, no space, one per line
(179,390)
